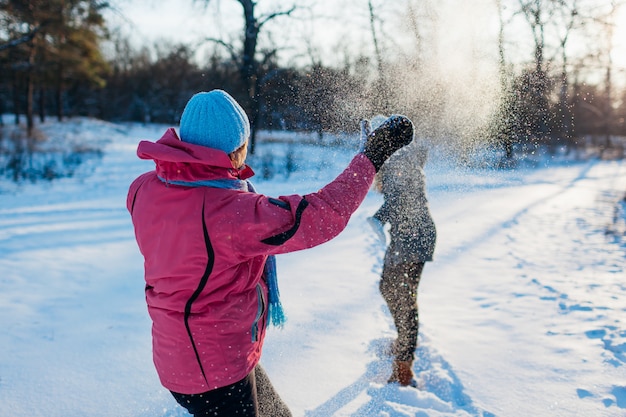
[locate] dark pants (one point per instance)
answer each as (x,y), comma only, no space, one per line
(398,287)
(253,396)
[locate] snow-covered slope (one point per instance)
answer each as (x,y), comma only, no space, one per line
(523,311)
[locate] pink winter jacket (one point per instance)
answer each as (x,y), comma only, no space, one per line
(205,249)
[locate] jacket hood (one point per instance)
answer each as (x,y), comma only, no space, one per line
(181,161)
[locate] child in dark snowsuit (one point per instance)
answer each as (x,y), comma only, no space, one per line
(413,235)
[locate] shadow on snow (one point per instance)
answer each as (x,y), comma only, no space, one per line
(441,391)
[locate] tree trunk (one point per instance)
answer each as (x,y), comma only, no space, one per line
(501,57)
(30,122)
(59,102)
(249,67)
(16,97)
(59,93)
(382,95)
(419,44)
(30,88)
(504,137)
(608,79)
(42,105)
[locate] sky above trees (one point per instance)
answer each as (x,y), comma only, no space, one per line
(434,57)
(461,31)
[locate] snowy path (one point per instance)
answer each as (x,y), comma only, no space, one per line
(522,312)
(539,298)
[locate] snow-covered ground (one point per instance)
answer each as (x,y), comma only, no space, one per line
(523,311)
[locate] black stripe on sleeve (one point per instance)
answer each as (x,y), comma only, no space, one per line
(283,237)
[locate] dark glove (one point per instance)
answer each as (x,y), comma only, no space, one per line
(393,134)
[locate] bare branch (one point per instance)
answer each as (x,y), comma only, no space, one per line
(268,55)
(22,39)
(233,53)
(271,16)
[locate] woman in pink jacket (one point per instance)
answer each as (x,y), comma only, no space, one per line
(208,241)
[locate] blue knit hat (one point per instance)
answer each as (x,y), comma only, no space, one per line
(215,120)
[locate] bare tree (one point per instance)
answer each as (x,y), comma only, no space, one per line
(381,93)
(503,137)
(501,56)
(417,34)
(247,56)
(608,28)
(568,17)
(538,14)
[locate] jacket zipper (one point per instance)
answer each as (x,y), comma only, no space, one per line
(259,313)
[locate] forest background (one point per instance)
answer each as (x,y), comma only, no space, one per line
(514,75)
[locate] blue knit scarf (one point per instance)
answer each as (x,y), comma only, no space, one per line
(274,309)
